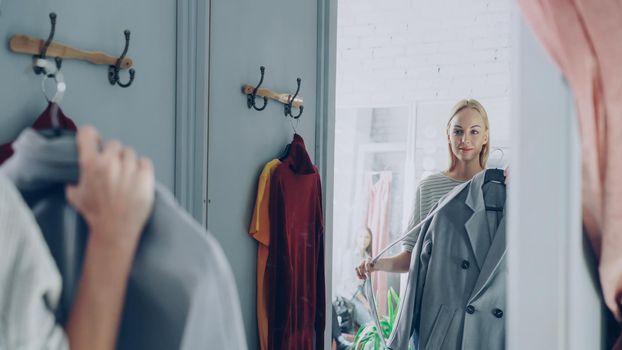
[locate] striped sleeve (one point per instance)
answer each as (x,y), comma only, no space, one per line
(29,280)
(429,191)
(415,218)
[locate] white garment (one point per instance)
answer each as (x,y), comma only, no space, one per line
(30,283)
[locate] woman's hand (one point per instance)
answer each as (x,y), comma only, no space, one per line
(115,195)
(398,263)
(364,268)
(115,191)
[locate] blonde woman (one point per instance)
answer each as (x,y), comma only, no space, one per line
(468,143)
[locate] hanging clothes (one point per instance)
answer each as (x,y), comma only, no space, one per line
(296,262)
(377,220)
(30,284)
(44,121)
(260,230)
(455,295)
(180,294)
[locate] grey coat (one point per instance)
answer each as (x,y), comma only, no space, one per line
(181,293)
(455,293)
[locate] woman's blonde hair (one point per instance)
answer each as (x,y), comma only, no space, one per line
(367,230)
(473,104)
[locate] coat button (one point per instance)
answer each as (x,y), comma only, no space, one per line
(470,309)
(498,313)
(465,264)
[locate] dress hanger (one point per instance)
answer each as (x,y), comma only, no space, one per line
(286,150)
(52,71)
(494,176)
(497,176)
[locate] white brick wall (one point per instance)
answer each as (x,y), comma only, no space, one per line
(405,51)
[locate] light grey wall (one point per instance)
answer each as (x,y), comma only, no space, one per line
(142,115)
(245,34)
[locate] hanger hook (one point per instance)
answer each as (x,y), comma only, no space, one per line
(250,99)
(113,71)
(292,124)
(288,106)
(501,151)
(51,71)
(42,55)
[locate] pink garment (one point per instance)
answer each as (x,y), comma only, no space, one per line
(559,27)
(603,20)
(583,36)
(377,221)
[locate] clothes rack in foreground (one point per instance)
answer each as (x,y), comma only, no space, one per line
(180,294)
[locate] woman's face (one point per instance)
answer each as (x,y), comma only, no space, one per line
(467,135)
(363,240)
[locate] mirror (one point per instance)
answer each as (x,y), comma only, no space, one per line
(419,148)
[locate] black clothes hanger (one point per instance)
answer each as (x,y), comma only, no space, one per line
(495,176)
(490,208)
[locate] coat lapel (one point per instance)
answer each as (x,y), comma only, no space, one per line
(493,259)
(477,222)
(488,254)
(479,240)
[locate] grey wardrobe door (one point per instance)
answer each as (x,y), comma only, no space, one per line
(142,115)
(246,34)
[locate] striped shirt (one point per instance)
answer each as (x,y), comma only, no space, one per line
(30,284)
(429,191)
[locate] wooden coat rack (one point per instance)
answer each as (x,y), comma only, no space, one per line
(280,97)
(42,49)
(30,45)
(288,100)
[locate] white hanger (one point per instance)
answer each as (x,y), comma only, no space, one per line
(51,71)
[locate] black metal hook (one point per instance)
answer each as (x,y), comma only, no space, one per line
(46,45)
(59,62)
(250,99)
(113,71)
(288,106)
